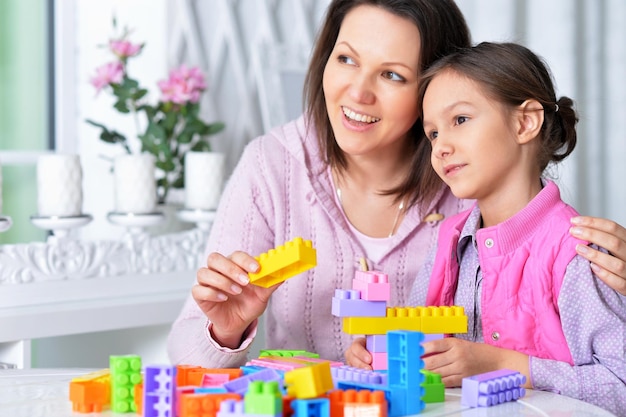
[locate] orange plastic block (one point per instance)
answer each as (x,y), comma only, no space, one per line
(139,398)
(353,403)
(91,393)
(309,382)
(203,405)
(428,320)
(196,376)
(283,262)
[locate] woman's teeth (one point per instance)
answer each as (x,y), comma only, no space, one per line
(359,117)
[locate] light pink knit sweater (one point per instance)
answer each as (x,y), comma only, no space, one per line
(279,190)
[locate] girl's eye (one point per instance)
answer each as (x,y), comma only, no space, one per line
(345,60)
(432,135)
(393,76)
(461,119)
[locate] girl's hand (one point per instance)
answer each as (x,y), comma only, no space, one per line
(358,356)
(610,268)
(455,359)
(224,295)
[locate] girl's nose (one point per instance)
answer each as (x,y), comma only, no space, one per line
(441,147)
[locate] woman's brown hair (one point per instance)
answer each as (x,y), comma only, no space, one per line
(442,29)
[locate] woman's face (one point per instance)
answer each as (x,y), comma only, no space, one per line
(370,82)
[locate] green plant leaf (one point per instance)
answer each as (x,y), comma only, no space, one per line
(201,146)
(121,106)
(214,128)
(166,166)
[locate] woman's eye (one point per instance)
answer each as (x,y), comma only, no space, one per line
(461,119)
(393,76)
(346,60)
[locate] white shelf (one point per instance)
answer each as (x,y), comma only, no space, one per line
(91,305)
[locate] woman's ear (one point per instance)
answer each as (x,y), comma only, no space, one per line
(530,118)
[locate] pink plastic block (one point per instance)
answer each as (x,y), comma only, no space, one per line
(214,380)
(318,360)
(379,360)
(374,285)
(348,303)
(276,364)
(376,343)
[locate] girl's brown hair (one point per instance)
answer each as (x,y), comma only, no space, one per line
(511,74)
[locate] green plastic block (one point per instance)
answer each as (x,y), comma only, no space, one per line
(125,374)
(434,390)
(263,398)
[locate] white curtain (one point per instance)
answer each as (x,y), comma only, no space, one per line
(583,41)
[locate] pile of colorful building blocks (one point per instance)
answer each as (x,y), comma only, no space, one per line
(283,383)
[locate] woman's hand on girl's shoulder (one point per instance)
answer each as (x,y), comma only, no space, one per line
(609,267)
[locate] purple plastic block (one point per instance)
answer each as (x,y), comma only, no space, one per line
(376,343)
(158,405)
(159,390)
(231,408)
(348,307)
(349,373)
(159,378)
(432,336)
(240,385)
(492,388)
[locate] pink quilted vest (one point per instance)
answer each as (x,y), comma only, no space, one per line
(523,262)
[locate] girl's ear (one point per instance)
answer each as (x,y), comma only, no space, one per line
(530,120)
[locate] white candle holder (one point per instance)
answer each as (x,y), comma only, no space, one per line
(202,218)
(5,223)
(136,223)
(60,226)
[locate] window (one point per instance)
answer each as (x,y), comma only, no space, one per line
(25,111)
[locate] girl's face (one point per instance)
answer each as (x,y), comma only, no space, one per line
(474,145)
(370,82)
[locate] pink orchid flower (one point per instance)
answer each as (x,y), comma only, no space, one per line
(124,49)
(184,85)
(111,73)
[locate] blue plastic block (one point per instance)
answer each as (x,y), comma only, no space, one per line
(404,352)
(492,388)
(315,407)
(209,390)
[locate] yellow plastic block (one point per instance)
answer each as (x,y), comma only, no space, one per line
(398,318)
(429,320)
(283,262)
(309,382)
(445,319)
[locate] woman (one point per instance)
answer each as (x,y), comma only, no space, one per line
(347,175)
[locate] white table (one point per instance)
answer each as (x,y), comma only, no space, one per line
(44,392)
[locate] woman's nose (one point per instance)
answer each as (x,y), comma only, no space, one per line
(361,90)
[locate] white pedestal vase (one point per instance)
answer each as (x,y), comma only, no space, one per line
(204,179)
(59,186)
(135,184)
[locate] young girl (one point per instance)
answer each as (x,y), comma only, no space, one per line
(494,123)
